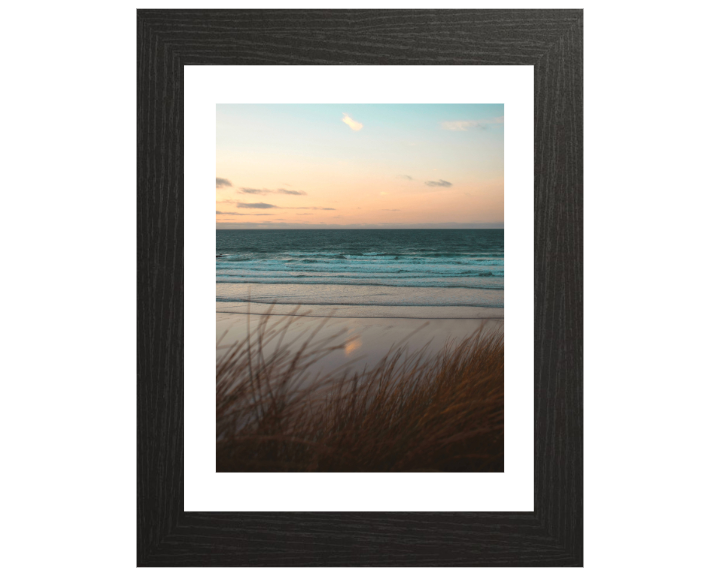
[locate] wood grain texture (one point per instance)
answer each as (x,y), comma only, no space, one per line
(550,40)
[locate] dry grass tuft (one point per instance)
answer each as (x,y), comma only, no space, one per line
(409,414)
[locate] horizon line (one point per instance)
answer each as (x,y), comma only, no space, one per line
(438,226)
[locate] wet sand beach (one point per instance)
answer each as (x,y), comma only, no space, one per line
(366,339)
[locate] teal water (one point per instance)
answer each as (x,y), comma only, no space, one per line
(363,267)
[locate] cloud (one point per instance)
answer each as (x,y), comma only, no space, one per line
(261,205)
(264,206)
(291,192)
(464,125)
(356,126)
(222,183)
(443,183)
(265,191)
(406,177)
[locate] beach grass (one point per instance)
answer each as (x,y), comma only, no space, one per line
(413,412)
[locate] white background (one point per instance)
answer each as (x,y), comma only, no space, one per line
(651,283)
(205,490)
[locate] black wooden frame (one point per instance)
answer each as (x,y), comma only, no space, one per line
(551,41)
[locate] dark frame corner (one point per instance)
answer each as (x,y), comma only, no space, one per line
(550,40)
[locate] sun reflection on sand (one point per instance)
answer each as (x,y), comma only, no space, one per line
(353,345)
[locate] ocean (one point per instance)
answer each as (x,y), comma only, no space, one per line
(372,270)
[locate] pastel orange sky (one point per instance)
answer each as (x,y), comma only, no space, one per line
(359,165)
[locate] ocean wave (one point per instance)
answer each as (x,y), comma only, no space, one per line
(362,267)
(293,256)
(400,283)
(446,270)
(357,265)
(366,303)
(302,274)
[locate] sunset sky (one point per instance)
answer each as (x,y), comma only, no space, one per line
(359,165)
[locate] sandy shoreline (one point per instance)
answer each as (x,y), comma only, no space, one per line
(366,340)
(365,297)
(375,312)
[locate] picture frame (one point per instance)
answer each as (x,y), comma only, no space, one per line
(549,40)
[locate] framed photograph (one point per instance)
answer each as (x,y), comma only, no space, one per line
(393,318)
